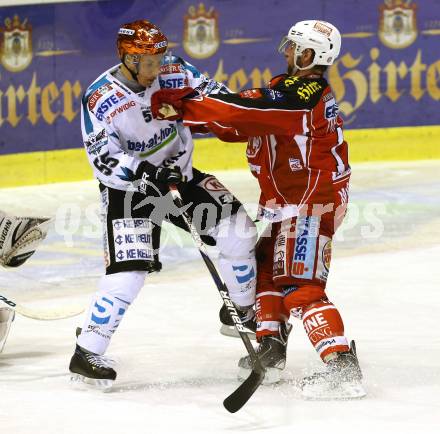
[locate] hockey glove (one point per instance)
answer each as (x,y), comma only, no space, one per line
(162,99)
(170,175)
(147,173)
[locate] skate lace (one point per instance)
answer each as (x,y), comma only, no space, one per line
(100,361)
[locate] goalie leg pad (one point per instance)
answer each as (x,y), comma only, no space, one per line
(6,317)
(19,238)
(109,304)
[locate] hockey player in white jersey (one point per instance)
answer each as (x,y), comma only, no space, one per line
(19,238)
(135,158)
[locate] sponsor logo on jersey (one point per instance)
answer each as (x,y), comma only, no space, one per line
(305,247)
(209,86)
(290,81)
(108,103)
(295,164)
(95,142)
(327,97)
(331,109)
(173,83)
(172,68)
(307,90)
(95,96)
(120,109)
(274,95)
(251,93)
(148,147)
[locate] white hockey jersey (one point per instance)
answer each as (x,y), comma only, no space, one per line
(119,131)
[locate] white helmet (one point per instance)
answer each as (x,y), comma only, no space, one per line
(324,38)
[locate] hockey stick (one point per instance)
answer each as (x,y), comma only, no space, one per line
(241,395)
(40,314)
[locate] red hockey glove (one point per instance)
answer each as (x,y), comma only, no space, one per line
(167,103)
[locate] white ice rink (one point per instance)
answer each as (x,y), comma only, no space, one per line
(174,367)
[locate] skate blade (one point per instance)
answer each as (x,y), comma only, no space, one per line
(81,382)
(325,392)
(272,376)
(232,332)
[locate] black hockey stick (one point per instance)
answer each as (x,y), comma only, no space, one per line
(241,395)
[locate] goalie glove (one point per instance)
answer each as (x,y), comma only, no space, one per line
(19,238)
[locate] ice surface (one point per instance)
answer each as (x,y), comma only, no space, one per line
(175,369)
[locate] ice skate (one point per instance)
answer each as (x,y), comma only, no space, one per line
(247,319)
(341,380)
(92,369)
(272,353)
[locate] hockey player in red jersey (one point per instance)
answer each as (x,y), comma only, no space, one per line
(297,151)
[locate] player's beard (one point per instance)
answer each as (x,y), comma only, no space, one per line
(291,69)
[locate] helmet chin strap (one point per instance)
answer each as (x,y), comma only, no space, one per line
(295,58)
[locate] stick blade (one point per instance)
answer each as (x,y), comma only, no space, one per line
(241,395)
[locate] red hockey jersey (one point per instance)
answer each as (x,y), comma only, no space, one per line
(295,146)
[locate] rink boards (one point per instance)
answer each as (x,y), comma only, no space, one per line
(382,144)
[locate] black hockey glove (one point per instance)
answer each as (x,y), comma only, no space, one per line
(147,173)
(170,175)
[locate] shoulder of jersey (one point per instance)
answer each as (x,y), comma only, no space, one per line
(175,65)
(103,92)
(301,87)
